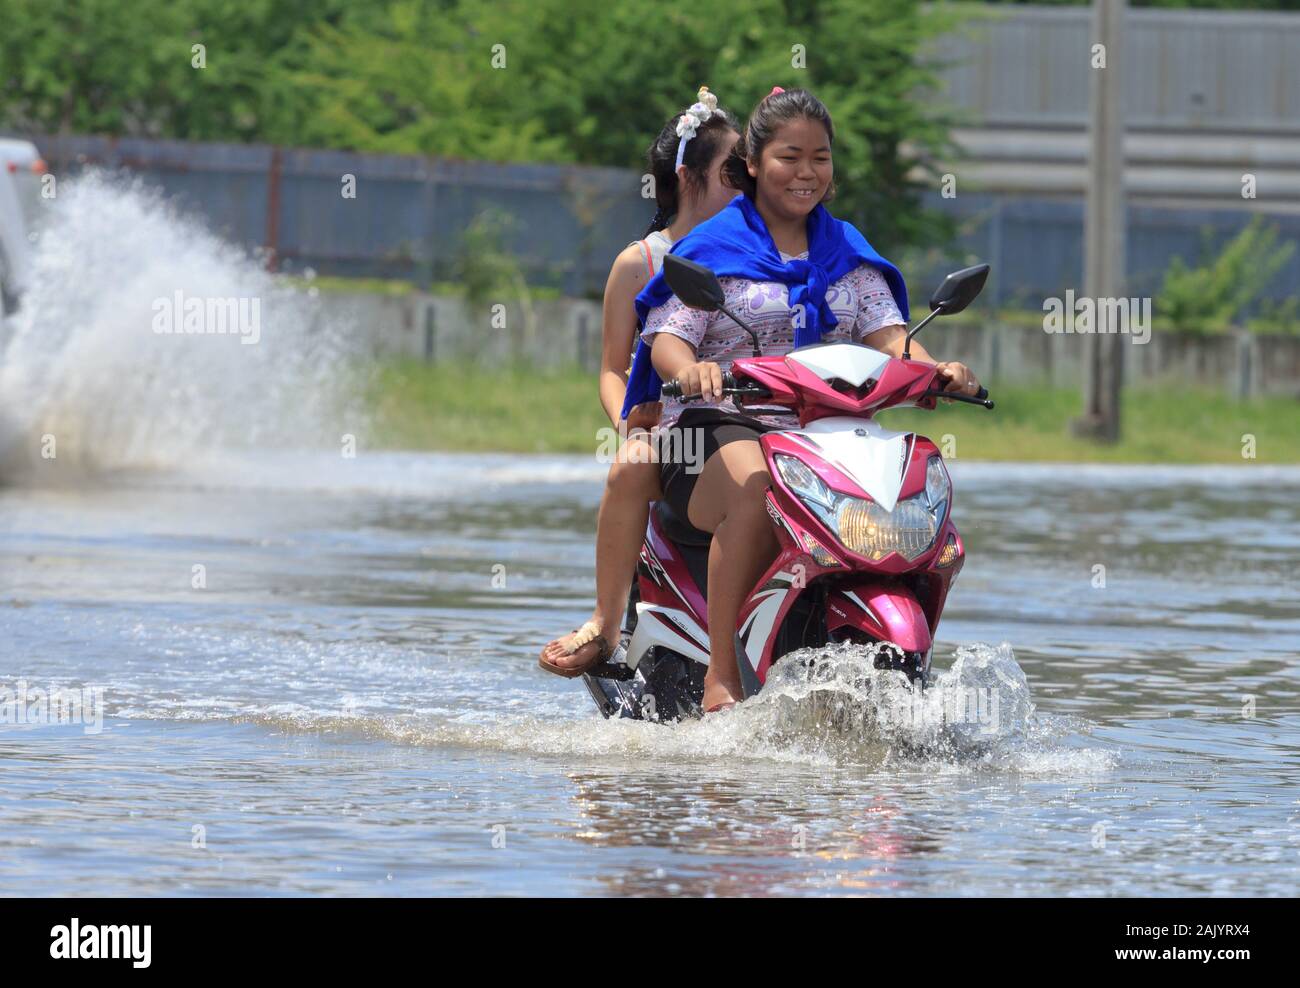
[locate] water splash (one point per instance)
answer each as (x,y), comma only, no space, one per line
(820,707)
(834,698)
(85,375)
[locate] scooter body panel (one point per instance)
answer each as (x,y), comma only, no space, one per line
(818,589)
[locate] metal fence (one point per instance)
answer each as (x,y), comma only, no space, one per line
(409,216)
(1184,69)
(1035,246)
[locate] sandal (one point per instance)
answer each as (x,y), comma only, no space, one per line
(586,635)
(724,705)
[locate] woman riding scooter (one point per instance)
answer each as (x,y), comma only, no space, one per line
(798,275)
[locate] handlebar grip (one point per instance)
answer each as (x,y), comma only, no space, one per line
(982,393)
(673,388)
(979,399)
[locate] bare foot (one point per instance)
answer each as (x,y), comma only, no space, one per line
(719,695)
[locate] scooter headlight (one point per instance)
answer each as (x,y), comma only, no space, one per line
(869,530)
(803,480)
(863,526)
(938,488)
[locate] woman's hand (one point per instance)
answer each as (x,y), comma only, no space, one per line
(957,378)
(703,379)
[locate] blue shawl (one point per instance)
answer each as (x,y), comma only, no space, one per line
(736,243)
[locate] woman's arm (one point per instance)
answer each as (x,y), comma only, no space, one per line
(627,277)
(675,333)
(673,358)
(880,325)
(891,340)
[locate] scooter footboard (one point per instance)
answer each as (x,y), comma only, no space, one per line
(882,611)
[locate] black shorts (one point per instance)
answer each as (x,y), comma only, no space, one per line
(690,442)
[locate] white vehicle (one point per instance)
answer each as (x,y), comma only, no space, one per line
(21,169)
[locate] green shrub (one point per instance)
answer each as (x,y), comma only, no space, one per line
(1212,297)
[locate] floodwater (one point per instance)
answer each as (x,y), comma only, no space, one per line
(317,675)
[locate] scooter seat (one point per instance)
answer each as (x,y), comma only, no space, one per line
(678,529)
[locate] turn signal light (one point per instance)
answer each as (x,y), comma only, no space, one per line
(950,553)
(815,549)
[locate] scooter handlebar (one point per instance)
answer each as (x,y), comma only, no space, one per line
(981,397)
(673,388)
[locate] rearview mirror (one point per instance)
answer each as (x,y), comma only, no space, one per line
(959,289)
(694,284)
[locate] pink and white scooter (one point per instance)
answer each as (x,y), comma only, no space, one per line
(863,514)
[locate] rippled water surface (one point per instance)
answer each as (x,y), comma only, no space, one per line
(344,699)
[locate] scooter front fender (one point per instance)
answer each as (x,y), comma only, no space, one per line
(885,612)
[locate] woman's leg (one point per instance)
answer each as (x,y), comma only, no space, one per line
(728,501)
(633,482)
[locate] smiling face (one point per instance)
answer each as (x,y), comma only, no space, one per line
(794,171)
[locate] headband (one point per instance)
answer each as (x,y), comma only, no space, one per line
(705,106)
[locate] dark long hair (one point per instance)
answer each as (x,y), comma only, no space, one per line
(700,152)
(772,111)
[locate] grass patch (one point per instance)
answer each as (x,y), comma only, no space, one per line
(519,409)
(1159,425)
(454,406)
(351,286)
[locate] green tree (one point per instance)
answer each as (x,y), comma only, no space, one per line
(586,81)
(592,81)
(123,67)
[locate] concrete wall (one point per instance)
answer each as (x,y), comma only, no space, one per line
(560,332)
(566,332)
(1239,363)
